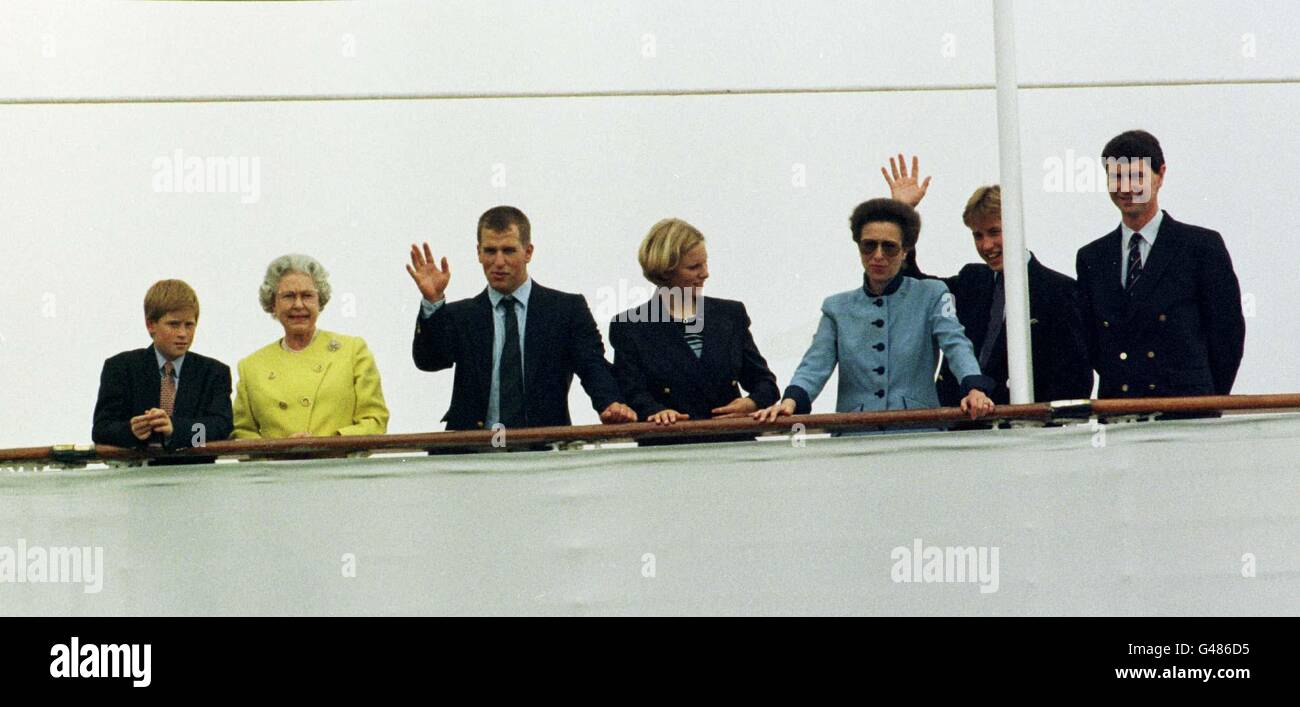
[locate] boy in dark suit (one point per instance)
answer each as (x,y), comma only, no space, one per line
(164,394)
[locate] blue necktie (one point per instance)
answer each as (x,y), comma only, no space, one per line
(997,313)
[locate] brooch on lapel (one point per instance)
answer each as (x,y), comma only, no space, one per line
(334,345)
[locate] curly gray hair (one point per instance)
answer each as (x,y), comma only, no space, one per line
(293,263)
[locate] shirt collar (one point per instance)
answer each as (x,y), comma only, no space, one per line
(1149,231)
(162,361)
(520,294)
(890,289)
(998,274)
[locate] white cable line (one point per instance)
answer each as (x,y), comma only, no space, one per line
(642,93)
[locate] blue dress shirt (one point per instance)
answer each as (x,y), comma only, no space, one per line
(521,293)
(176,367)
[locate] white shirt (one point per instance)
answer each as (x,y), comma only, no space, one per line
(1149,233)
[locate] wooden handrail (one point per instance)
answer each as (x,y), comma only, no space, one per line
(484,439)
(1278,402)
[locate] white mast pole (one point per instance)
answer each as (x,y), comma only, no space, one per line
(1014,264)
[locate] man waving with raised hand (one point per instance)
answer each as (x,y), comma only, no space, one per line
(516,345)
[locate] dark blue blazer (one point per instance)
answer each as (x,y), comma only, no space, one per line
(1060,357)
(1181,332)
(560,339)
(657,370)
(129,384)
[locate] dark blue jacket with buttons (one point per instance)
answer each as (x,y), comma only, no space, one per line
(1179,332)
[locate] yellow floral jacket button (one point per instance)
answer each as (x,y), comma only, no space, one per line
(305,401)
(284,405)
(318,368)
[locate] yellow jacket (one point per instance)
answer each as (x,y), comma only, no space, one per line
(329,388)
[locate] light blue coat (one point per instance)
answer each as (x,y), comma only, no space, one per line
(887,348)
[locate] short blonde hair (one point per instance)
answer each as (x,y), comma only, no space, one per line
(286,264)
(986,201)
(169,296)
(663,247)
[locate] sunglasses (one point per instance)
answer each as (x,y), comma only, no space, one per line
(889,248)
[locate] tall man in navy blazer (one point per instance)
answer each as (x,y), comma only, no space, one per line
(516,345)
(1160,300)
(164,394)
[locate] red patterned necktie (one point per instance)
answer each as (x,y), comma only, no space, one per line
(167,395)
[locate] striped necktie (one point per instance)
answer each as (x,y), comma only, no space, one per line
(1134,262)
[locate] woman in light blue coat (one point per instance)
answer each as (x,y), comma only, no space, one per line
(886,335)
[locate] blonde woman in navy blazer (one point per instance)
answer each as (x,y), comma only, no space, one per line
(885,336)
(680,355)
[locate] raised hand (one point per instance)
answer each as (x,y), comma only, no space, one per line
(431,279)
(904,187)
